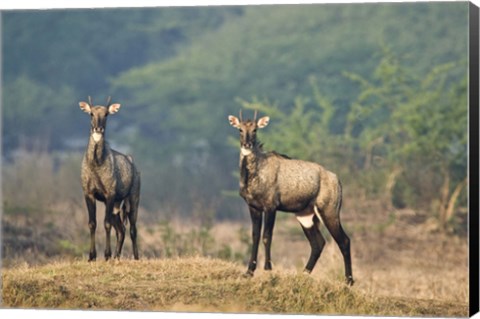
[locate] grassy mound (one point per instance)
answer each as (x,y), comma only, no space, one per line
(196,284)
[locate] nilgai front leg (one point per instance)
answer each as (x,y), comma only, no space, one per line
(108,227)
(256,216)
(92,225)
(267,237)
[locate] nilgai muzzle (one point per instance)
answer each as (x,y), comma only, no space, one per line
(270,181)
(112,178)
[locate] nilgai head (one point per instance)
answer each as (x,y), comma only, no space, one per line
(99,115)
(248,130)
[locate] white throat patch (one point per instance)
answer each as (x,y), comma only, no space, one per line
(96,136)
(245,151)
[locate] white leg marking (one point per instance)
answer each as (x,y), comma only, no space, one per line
(116,208)
(305,220)
(318,214)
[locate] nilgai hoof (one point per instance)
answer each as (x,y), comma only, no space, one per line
(268,265)
(307,271)
(248,274)
(92,257)
(350,281)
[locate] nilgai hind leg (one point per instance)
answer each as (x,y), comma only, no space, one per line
(310,226)
(331,218)
(131,208)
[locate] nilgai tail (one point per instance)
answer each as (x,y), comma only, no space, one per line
(270,182)
(112,178)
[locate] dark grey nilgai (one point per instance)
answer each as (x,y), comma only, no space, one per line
(270,182)
(112,178)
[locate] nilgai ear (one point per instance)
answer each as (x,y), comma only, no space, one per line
(263,122)
(114,108)
(85,107)
(234,121)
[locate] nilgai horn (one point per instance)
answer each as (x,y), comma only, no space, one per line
(270,182)
(112,178)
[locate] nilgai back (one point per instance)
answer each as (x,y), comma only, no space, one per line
(112,178)
(270,181)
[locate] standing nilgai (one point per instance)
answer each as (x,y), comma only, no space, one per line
(271,182)
(112,178)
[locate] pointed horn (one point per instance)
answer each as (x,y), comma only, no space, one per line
(109,100)
(255,116)
(240,115)
(90,100)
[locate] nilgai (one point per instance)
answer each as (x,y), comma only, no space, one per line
(270,181)
(112,178)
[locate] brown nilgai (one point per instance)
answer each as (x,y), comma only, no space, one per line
(112,178)
(270,181)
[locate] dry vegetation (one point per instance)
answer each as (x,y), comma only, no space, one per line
(401,268)
(197,284)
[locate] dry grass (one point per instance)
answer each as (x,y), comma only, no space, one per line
(397,259)
(401,267)
(197,284)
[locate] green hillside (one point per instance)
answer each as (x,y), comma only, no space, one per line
(278,55)
(272,52)
(178,73)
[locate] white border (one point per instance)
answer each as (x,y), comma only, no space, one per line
(65,4)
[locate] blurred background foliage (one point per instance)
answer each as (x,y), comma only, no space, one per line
(374,92)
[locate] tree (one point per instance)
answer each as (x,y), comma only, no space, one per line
(34,114)
(404,139)
(415,123)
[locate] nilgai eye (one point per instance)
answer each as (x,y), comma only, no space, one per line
(241,131)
